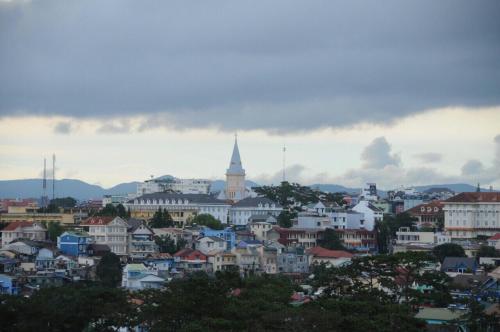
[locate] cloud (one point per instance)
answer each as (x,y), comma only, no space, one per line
(294,66)
(385,168)
(429,157)
(63,127)
(118,127)
(377,154)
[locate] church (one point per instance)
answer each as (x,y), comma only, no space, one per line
(235,189)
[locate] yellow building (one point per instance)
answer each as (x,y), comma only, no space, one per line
(63,218)
(181,216)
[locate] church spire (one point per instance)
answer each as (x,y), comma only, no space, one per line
(235,166)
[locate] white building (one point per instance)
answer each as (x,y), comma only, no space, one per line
(370,193)
(468,215)
(138,276)
(372,214)
(172,184)
(241,211)
(141,243)
(347,219)
(405,236)
(24,230)
(311,220)
(208,244)
(111,231)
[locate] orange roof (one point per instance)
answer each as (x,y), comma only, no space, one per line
(322,252)
(16,224)
(417,210)
(98,221)
(476,197)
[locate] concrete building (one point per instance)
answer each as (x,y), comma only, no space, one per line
(110,231)
(182,207)
(23,230)
(138,276)
(73,243)
(141,243)
(470,214)
(372,214)
(428,215)
(241,211)
(34,217)
(405,236)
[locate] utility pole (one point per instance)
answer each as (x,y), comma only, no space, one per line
(284,163)
(53,176)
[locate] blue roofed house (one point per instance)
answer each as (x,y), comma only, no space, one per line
(9,285)
(227,234)
(455,265)
(74,243)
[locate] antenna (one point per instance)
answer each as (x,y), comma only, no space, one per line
(284,162)
(53,176)
(44,184)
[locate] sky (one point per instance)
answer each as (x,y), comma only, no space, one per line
(397,93)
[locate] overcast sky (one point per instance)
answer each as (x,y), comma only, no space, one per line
(398,93)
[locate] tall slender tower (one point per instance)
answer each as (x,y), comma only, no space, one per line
(284,163)
(44,184)
(235,175)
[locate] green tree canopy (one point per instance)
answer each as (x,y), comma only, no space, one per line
(285,218)
(65,202)
(166,244)
(448,250)
(487,251)
(331,240)
(208,220)
(109,270)
(161,219)
(54,229)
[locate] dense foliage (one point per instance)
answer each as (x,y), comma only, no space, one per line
(114,211)
(167,245)
(487,251)
(161,219)
(205,219)
(387,228)
(285,218)
(331,240)
(109,270)
(448,250)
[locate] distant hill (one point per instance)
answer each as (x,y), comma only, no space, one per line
(65,187)
(334,188)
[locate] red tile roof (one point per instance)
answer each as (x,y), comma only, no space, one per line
(476,197)
(495,237)
(417,210)
(98,221)
(322,252)
(14,225)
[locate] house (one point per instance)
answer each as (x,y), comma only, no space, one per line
(241,211)
(23,247)
(207,244)
(293,260)
(141,242)
(442,316)
(319,255)
(23,230)
(44,259)
(260,229)
(74,243)
(269,261)
(190,260)
(138,276)
(8,265)
(311,220)
(494,241)
(227,234)
(248,256)
(111,231)
(304,237)
(372,214)
(456,265)
(9,285)
(222,261)
(269,218)
(405,236)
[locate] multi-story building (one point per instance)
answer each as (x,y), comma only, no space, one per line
(429,215)
(305,237)
(141,242)
(470,214)
(227,234)
(74,243)
(111,231)
(222,261)
(35,217)
(182,207)
(358,239)
(169,183)
(372,214)
(293,260)
(405,236)
(241,211)
(23,230)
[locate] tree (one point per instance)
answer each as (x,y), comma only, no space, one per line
(50,208)
(109,270)
(161,219)
(208,220)
(285,218)
(54,229)
(108,211)
(448,250)
(331,240)
(166,244)
(121,211)
(487,251)
(65,202)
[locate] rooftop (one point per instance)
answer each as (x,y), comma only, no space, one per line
(475,197)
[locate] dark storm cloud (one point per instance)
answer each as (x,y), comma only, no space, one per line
(279,65)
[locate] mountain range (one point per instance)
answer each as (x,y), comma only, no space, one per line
(32,188)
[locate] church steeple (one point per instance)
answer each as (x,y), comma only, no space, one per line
(235,167)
